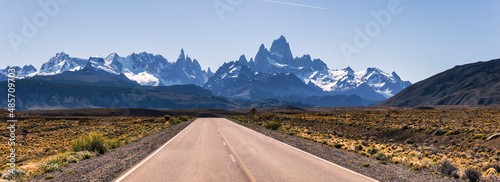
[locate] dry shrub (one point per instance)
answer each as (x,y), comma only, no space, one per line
(446,168)
(473,175)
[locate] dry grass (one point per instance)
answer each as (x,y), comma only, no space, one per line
(45,145)
(419,139)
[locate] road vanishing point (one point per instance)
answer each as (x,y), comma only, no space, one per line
(216,149)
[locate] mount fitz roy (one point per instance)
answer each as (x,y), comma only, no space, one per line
(272,74)
(275,73)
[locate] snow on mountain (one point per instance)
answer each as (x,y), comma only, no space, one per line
(236,80)
(372,83)
(143,68)
(269,67)
(346,80)
(20,72)
(61,63)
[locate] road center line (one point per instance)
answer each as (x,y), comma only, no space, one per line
(237,158)
(232,157)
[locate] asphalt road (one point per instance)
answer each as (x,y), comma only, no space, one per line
(215,149)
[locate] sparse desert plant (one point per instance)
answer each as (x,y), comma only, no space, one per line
(92,142)
(166,117)
(114,143)
(446,168)
(372,151)
(82,155)
(49,166)
(472,175)
(491,171)
(479,136)
(380,156)
(366,164)
(174,121)
(273,125)
(358,147)
(495,166)
(71,159)
(19,175)
(338,145)
(184,118)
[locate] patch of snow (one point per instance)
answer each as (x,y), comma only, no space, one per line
(274,63)
(233,69)
(143,78)
(386,93)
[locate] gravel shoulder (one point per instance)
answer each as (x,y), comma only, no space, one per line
(110,165)
(352,161)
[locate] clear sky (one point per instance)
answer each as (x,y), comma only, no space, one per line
(422,38)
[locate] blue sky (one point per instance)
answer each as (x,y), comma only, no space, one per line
(424,38)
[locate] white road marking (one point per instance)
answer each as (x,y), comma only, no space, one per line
(336,165)
(150,156)
(224,143)
(232,157)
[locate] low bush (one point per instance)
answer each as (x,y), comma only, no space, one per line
(495,166)
(82,155)
(338,145)
(491,171)
(380,156)
(174,121)
(49,166)
(366,164)
(479,136)
(166,117)
(372,151)
(446,168)
(19,175)
(240,118)
(92,142)
(273,125)
(472,175)
(114,143)
(358,147)
(184,118)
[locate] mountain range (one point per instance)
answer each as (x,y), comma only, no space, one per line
(143,68)
(304,77)
(475,84)
(92,87)
(273,74)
